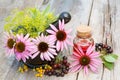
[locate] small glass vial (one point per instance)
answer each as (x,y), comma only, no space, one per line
(83,38)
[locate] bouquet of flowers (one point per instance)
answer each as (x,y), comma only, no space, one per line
(36,38)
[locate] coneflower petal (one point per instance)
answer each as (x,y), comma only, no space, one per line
(41,56)
(76,68)
(86,70)
(50,31)
(53,27)
(35,55)
(58,45)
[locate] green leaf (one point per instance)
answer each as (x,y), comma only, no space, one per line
(110,58)
(108,65)
(115,56)
(46,9)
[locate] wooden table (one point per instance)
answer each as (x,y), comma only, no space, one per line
(102,15)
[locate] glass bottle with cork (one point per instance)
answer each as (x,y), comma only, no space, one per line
(83,38)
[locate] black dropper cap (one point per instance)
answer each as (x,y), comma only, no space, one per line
(66,16)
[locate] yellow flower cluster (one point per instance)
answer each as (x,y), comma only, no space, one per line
(40,71)
(29,20)
(48,67)
(23,69)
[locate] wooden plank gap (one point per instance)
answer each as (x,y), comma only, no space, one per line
(45,2)
(90,13)
(102,73)
(77,76)
(110,22)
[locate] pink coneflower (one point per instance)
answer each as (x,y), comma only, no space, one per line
(9,43)
(23,47)
(85,60)
(60,35)
(45,47)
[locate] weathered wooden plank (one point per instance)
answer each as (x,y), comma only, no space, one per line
(95,19)
(115,30)
(96,22)
(81,13)
(107,74)
(64,5)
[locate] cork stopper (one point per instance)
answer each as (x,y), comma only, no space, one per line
(84,31)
